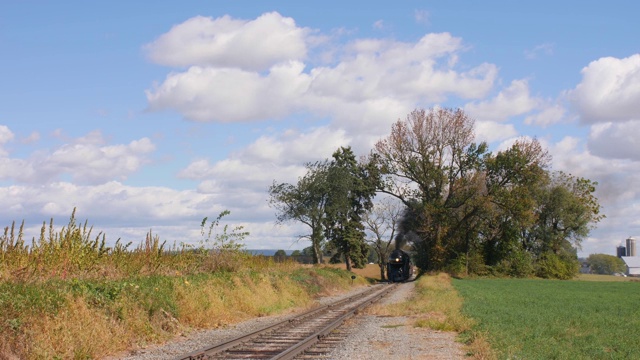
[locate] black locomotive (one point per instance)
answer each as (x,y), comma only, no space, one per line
(399,267)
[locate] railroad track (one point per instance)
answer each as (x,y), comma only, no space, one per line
(290,338)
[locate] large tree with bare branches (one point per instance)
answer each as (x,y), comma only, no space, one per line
(381,223)
(430,161)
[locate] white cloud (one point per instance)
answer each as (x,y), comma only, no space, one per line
(550,114)
(491,131)
(119,210)
(609,91)
(616,140)
(269,158)
(514,100)
(231,43)
(227,95)
(367,72)
(6,134)
(86,159)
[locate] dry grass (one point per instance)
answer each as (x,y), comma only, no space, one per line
(69,296)
(370,271)
(96,319)
(596,277)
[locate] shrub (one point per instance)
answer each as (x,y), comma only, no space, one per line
(553,266)
(518,264)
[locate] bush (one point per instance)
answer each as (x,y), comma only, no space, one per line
(471,264)
(519,264)
(553,266)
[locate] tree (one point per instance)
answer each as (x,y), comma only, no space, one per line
(351,190)
(381,222)
(605,264)
(568,211)
(513,180)
(304,202)
(473,211)
(280,254)
(429,162)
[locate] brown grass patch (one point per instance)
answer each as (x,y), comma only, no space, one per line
(370,271)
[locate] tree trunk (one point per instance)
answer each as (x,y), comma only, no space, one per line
(316,238)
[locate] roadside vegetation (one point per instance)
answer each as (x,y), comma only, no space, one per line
(67,295)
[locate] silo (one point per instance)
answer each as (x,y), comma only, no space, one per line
(631,247)
(621,251)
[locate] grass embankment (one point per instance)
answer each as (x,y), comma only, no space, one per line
(83,319)
(547,319)
(69,296)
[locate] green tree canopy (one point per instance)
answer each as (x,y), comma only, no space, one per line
(352,189)
(605,264)
(304,202)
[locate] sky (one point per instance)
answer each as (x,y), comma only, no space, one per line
(150,116)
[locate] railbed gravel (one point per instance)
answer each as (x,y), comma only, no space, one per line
(370,337)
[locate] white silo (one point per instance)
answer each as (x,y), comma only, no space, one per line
(631,247)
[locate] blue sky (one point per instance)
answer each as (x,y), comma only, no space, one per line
(153,116)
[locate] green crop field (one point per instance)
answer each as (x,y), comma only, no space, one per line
(547,319)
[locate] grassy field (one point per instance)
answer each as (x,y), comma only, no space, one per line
(546,319)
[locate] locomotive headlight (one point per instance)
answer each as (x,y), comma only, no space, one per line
(397,259)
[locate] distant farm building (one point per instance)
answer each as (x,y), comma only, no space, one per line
(633,265)
(628,255)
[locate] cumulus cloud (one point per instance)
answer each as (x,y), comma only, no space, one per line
(491,131)
(511,101)
(280,157)
(616,140)
(609,90)
(86,159)
(228,95)
(548,115)
(231,43)
(365,72)
(6,134)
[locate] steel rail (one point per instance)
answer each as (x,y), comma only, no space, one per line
(204,353)
(311,340)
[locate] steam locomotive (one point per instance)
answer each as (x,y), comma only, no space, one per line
(399,266)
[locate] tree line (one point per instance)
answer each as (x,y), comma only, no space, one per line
(457,206)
